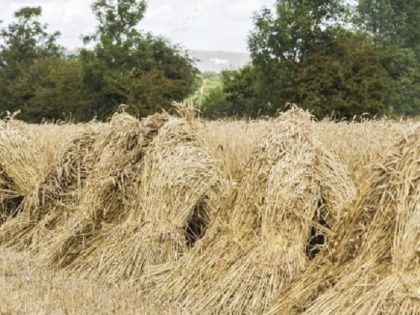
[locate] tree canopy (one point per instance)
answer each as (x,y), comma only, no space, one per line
(124,66)
(327,56)
(127,66)
(331,58)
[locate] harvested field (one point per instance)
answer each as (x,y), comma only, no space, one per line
(26,289)
(173,214)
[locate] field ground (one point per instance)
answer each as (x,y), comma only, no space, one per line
(176,215)
(27,289)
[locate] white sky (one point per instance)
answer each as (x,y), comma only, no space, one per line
(194,24)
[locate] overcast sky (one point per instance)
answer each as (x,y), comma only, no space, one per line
(195,24)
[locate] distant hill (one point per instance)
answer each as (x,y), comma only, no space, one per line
(217,61)
(207,60)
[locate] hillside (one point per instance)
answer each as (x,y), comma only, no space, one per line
(217,61)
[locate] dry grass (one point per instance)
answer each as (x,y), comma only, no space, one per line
(372,265)
(177,195)
(285,216)
(109,188)
(53,197)
(292,190)
(21,166)
(26,289)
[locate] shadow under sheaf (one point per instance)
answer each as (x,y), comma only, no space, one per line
(259,240)
(372,265)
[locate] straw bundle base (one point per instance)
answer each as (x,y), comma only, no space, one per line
(193,277)
(137,250)
(253,281)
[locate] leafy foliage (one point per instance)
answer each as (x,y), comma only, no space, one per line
(326,55)
(127,66)
(392,22)
(23,42)
(26,39)
(350,76)
(124,66)
(305,52)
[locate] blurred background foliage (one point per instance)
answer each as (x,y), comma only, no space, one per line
(331,57)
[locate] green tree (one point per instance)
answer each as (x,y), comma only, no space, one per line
(304,52)
(23,42)
(214,104)
(26,39)
(282,40)
(53,89)
(244,95)
(392,22)
(348,76)
(293,29)
(394,25)
(376,17)
(127,66)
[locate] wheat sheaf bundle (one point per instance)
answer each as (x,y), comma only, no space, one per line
(21,166)
(373,265)
(178,193)
(291,191)
(53,197)
(108,189)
